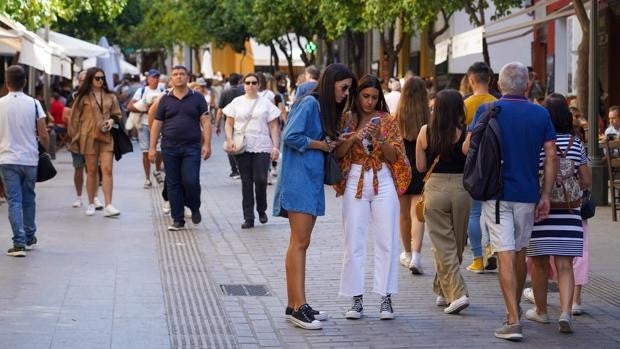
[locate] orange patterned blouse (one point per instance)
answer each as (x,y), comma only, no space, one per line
(372,159)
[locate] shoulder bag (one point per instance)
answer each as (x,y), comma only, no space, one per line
(419,206)
(45,167)
(238,137)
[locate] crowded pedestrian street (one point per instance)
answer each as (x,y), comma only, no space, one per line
(128,282)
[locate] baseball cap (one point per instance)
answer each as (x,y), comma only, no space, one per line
(152,72)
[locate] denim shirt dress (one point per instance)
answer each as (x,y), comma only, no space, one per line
(300,183)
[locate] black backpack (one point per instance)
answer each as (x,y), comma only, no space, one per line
(483,172)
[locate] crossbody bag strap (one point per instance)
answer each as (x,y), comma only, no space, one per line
(242,129)
(430,170)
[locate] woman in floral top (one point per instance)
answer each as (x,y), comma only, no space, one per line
(371,144)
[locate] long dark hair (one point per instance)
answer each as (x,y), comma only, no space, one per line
(87,86)
(561,117)
(448,116)
(373,82)
(324,91)
(413,111)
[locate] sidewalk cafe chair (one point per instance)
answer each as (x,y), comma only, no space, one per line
(613,170)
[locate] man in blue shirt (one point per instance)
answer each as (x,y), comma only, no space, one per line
(180,115)
(312,78)
(525,129)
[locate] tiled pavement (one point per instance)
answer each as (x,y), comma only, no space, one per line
(128,283)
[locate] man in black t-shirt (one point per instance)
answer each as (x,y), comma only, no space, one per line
(233,91)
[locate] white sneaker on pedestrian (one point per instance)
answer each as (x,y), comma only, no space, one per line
(148,184)
(111,211)
(440,301)
(528,294)
(98,204)
(416,264)
(457,305)
(405,259)
(77,203)
(166,207)
(90,210)
(187,212)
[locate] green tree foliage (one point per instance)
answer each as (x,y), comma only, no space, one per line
(36,13)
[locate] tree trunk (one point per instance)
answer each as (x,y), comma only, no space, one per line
(308,59)
(582,58)
(485,51)
(274,55)
(289,57)
(197,59)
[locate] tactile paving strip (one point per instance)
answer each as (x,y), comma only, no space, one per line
(603,288)
(196,318)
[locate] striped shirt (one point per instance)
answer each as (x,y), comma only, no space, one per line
(576,153)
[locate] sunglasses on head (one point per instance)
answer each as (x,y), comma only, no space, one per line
(253,82)
(99,78)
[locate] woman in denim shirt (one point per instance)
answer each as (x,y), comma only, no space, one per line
(300,194)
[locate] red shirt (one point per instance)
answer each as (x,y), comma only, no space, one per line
(56,109)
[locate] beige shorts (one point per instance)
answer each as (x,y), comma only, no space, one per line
(516,220)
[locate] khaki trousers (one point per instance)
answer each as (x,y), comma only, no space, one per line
(447,207)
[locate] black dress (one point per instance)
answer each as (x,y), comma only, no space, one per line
(417,183)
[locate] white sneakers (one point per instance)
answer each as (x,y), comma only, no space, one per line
(111,211)
(416,264)
(98,204)
(90,210)
(528,294)
(405,259)
(77,203)
(166,207)
(457,305)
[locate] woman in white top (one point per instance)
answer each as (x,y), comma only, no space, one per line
(258,117)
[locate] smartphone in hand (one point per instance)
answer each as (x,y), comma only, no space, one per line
(375,120)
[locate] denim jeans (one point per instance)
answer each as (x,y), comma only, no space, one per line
(476,228)
(182,178)
(253,169)
(19,183)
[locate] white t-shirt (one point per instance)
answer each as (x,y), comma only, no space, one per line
(145,97)
(612,131)
(18,140)
(268,94)
(392,99)
(257,137)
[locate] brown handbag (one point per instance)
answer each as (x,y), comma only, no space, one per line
(419,206)
(102,136)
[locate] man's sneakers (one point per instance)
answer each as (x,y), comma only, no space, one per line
(111,211)
(440,301)
(385,308)
(234,175)
(457,305)
(262,218)
(357,309)
(512,332)
(16,251)
(318,315)
(476,266)
(304,318)
(31,244)
(148,184)
(491,259)
(176,226)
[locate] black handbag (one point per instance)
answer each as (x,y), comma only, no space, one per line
(588,206)
(45,167)
(333,173)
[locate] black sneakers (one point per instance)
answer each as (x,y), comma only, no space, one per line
(247,224)
(385,309)
(196,217)
(357,310)
(176,226)
(16,251)
(318,315)
(31,244)
(262,218)
(304,318)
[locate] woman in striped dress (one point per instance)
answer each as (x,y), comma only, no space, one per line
(561,234)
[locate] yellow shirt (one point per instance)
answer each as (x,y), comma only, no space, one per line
(473,102)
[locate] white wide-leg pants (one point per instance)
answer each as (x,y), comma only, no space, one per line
(380,213)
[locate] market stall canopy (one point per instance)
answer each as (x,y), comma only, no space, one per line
(126,67)
(73,47)
(33,50)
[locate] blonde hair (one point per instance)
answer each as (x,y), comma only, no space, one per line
(413,111)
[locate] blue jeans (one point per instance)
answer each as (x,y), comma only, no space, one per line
(182,179)
(19,183)
(475,228)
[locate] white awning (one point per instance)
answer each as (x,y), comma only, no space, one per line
(73,47)
(33,50)
(262,53)
(126,67)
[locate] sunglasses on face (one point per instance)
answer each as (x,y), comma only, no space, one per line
(99,78)
(251,82)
